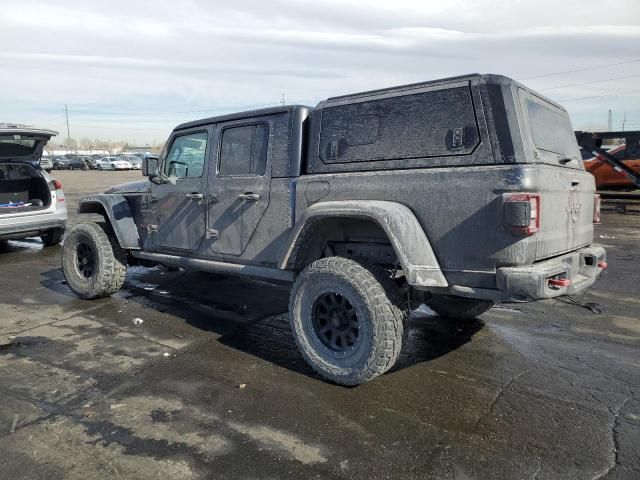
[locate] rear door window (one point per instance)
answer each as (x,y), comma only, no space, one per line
(244,150)
(428,124)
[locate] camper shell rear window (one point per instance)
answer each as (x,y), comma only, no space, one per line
(550,132)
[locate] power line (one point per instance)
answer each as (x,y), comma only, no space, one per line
(589,83)
(581,69)
(598,96)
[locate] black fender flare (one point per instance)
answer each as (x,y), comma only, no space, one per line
(406,235)
(118,213)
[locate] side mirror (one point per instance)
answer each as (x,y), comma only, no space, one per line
(150,167)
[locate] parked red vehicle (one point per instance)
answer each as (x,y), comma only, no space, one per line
(606,177)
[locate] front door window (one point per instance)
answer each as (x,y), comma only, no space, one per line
(186,156)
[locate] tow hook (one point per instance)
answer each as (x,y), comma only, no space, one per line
(559,282)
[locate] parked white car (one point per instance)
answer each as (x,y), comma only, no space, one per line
(113,163)
(32,203)
(136,162)
(46,164)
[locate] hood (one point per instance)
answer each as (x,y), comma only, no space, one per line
(139,186)
(23,144)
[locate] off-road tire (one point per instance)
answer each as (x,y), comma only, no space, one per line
(52,237)
(110,261)
(381,320)
(458,308)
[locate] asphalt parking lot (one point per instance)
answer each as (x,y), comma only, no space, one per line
(210,384)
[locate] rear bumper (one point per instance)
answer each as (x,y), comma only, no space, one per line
(577,270)
(32,225)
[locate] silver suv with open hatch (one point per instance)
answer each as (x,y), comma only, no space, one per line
(32,203)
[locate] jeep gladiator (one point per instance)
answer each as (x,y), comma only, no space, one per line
(457,192)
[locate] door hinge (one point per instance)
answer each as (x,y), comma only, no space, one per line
(212,234)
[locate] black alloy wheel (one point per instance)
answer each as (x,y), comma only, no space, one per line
(85,260)
(335,322)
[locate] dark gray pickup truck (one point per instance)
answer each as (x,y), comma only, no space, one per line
(457,192)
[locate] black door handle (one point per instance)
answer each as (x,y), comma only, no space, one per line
(250,197)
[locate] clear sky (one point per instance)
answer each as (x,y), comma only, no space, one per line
(132,70)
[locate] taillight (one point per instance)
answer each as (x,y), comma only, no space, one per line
(596,208)
(56,185)
(522,212)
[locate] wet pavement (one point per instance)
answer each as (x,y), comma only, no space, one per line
(210,384)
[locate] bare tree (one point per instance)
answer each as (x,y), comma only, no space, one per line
(86,143)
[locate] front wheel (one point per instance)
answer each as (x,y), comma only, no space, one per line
(346,323)
(93,262)
(458,308)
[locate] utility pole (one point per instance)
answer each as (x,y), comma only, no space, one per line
(283,99)
(610,122)
(624,120)
(66,113)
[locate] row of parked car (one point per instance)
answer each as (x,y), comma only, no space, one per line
(91,162)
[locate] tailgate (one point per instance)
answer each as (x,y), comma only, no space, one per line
(566,211)
(566,189)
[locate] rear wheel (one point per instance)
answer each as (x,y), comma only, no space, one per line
(93,262)
(52,237)
(458,308)
(346,324)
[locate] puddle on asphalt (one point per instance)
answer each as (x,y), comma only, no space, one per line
(24,247)
(506,309)
(21,342)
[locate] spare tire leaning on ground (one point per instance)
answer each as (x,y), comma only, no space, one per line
(93,262)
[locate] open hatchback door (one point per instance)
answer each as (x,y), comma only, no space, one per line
(31,202)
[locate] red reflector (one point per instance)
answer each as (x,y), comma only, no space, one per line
(603,265)
(560,282)
(57,185)
(596,208)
